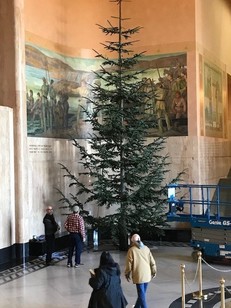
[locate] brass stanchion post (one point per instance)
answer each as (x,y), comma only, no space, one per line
(222,284)
(200,275)
(183,285)
(199,295)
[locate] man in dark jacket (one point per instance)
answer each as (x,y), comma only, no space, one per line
(51,227)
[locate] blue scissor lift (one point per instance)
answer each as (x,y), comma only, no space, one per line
(208,210)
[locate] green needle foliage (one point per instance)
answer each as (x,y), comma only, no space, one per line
(127,169)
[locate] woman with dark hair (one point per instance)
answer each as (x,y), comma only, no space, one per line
(106,284)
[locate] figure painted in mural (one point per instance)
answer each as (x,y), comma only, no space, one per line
(144,89)
(84,109)
(183,85)
(92,97)
(30,101)
(171,85)
(51,227)
(179,108)
(64,99)
(148,91)
(51,104)
(44,93)
(59,113)
(160,108)
(75,226)
(36,111)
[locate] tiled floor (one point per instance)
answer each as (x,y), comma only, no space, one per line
(36,286)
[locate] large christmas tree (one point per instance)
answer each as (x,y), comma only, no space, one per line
(127,169)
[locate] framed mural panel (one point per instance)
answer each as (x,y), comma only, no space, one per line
(229,104)
(59,87)
(212,112)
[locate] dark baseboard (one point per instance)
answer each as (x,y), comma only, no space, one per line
(20,253)
(14,252)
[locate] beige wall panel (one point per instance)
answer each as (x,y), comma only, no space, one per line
(213,24)
(71,26)
(45,175)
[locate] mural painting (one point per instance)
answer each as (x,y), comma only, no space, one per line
(213,102)
(59,87)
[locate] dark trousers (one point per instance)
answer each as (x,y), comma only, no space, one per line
(50,246)
(75,242)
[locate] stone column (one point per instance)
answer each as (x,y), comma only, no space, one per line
(20,133)
(13,95)
(7,188)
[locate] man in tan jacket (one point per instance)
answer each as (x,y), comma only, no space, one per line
(141,267)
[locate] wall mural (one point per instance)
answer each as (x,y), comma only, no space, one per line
(213,101)
(58,86)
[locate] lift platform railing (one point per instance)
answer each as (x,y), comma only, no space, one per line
(193,201)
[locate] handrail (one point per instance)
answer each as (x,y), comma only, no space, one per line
(206,196)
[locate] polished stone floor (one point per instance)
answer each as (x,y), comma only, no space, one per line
(36,286)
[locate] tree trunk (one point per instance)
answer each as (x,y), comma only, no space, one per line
(123,236)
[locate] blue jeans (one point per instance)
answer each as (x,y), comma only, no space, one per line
(141,292)
(75,243)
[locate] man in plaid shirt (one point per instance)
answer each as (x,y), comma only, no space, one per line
(75,226)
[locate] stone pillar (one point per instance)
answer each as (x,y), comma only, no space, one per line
(20,132)
(13,94)
(7,189)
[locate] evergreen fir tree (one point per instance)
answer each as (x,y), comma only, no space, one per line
(127,170)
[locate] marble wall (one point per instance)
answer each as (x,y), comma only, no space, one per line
(204,160)
(7,200)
